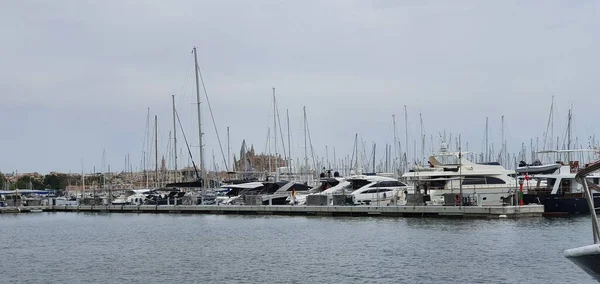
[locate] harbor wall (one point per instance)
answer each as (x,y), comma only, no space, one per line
(391,211)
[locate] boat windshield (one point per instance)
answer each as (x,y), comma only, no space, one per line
(358,183)
(447,159)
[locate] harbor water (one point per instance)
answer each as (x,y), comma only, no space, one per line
(164,248)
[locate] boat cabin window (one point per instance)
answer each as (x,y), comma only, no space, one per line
(473,180)
(565,186)
(377,190)
(437,184)
(550,182)
(447,159)
(358,183)
(389,184)
(493,180)
(329,183)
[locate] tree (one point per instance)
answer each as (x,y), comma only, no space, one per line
(26,182)
(56,181)
(2,181)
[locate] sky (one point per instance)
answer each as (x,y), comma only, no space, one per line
(79,78)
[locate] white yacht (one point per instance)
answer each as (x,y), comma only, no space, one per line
(271,193)
(449,174)
(377,190)
(132,197)
(328,186)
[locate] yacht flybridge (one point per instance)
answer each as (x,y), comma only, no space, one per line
(451,179)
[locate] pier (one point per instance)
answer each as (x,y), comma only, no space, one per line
(389,211)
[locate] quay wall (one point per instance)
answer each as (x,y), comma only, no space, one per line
(391,211)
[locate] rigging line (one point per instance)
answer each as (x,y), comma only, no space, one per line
(188,146)
(353,150)
(185,83)
(312,150)
(280,131)
(213,120)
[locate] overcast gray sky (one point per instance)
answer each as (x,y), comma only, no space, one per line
(78,77)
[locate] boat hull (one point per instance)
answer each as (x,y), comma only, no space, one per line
(587,258)
(562,205)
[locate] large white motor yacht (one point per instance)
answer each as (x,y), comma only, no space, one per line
(449,174)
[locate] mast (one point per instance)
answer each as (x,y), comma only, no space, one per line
(396,145)
(287,113)
(174,138)
(275,135)
(387,158)
(103,169)
(502,148)
(422,141)
(356,153)
(487,145)
(305,137)
(374,148)
(334,160)
(200,134)
(569,135)
(406,136)
(82,180)
(460,168)
(228,149)
(327,157)
(145,173)
(156,150)
(147,152)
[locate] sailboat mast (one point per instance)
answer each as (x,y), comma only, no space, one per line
(406,135)
(174,138)
(305,146)
(82,180)
(569,136)
(396,145)
(103,168)
(199,118)
(502,148)
(487,145)
(374,148)
(422,140)
(228,148)
(287,113)
(275,134)
(156,150)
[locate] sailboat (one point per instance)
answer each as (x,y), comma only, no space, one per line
(200,177)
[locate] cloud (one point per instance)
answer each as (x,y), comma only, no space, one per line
(80,76)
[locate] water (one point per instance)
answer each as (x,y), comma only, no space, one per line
(147,248)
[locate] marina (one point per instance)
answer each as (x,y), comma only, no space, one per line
(299,142)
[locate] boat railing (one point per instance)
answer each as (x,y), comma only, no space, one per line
(581,178)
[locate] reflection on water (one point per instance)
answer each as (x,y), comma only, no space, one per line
(149,248)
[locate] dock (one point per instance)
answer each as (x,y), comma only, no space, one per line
(384,211)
